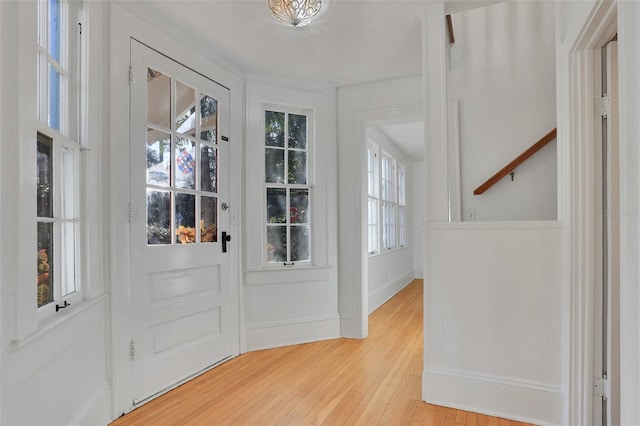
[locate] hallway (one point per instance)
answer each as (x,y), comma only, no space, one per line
(372,381)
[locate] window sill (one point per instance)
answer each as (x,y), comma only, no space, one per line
(287,275)
(48,326)
(388,252)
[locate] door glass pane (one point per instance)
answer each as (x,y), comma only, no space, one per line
(274,165)
(208,118)
(209,167)
(185,109)
(274,128)
(45,263)
(67,188)
(297,131)
(44,176)
(297,167)
(299,243)
(68,257)
(276,244)
(299,206)
(158,217)
(185,218)
(276,205)
(158,158)
(158,98)
(185,163)
(55,98)
(208,220)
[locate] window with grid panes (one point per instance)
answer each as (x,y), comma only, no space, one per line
(288,144)
(402,207)
(58,155)
(373,200)
(388,197)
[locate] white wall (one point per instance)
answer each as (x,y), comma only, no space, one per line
(358,107)
(390,271)
(419,218)
(290,305)
(493,327)
(502,71)
(494,293)
(629,66)
(54,370)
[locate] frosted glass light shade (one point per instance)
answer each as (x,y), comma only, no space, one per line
(296,13)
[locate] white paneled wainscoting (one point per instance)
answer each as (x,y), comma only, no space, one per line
(494,320)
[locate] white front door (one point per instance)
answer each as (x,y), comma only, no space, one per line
(185,316)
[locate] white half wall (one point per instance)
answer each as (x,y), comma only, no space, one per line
(502,71)
(493,319)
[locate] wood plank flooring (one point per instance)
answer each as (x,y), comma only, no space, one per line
(374,381)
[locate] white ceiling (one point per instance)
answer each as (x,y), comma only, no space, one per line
(349,42)
(408,136)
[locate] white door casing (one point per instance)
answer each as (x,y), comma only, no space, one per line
(184,317)
(606,410)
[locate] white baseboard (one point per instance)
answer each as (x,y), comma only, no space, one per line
(380,296)
(286,333)
(96,409)
(511,399)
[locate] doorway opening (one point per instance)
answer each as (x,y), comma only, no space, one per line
(394,203)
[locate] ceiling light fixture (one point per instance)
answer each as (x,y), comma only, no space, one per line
(296,13)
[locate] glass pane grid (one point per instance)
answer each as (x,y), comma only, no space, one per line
(287,192)
(186,211)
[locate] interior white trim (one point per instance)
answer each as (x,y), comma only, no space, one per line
(502,402)
(591,29)
(498,380)
(288,275)
(534,224)
(453,158)
(285,333)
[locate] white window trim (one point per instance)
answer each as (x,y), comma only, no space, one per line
(401,218)
(374,196)
(258,96)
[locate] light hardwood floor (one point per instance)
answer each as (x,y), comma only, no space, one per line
(374,381)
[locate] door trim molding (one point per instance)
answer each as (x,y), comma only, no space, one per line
(576,117)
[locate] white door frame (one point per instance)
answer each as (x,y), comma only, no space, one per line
(125,26)
(576,123)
